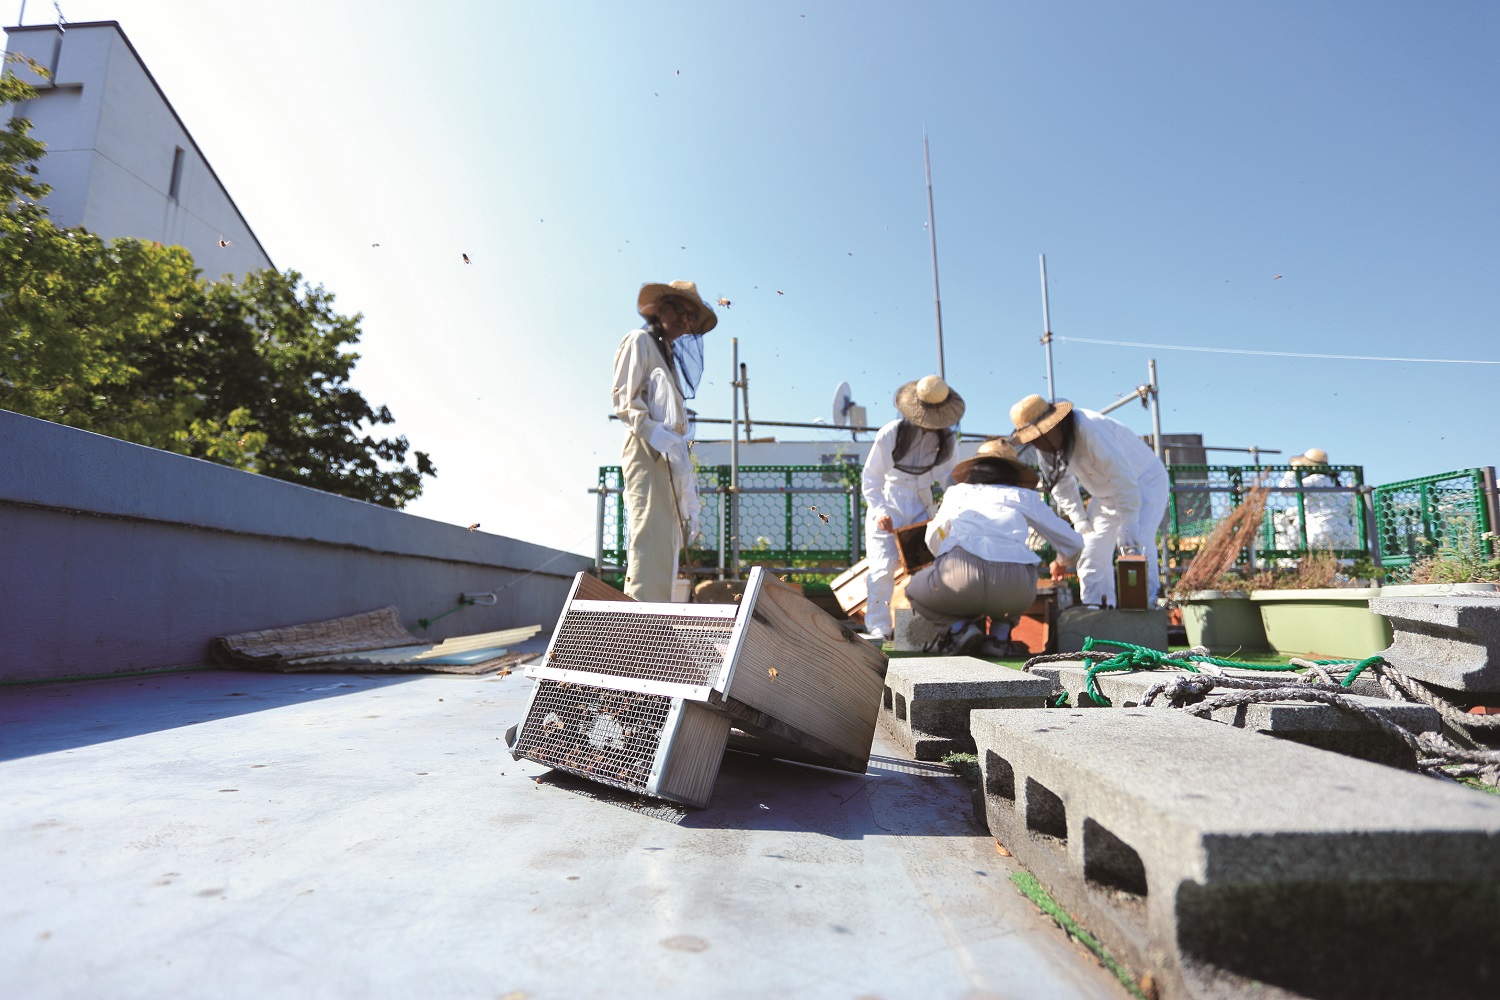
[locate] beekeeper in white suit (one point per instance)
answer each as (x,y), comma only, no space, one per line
(657,369)
(1127,487)
(1330,517)
(908,456)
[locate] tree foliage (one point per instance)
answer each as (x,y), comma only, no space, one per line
(124,338)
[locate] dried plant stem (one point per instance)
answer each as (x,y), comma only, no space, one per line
(1228,539)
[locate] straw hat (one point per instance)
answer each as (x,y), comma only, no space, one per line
(929,403)
(1312,456)
(1034,416)
(704,319)
(997,450)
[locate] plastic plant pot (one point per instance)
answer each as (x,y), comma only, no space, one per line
(1334,623)
(1225,621)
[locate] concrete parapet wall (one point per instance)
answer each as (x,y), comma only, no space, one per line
(116,558)
(1230,865)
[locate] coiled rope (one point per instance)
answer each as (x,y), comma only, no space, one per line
(1436,754)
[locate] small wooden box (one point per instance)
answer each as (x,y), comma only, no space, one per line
(1130,582)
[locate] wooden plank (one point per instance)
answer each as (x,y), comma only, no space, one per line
(756,732)
(693,755)
(799,665)
(591,588)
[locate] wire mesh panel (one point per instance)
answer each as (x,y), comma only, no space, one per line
(677,649)
(1303,514)
(606,735)
(788,515)
(1422,517)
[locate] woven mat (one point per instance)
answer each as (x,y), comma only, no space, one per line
(503,664)
(268,647)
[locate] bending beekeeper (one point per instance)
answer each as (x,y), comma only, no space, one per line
(657,368)
(908,456)
(983,566)
(1127,487)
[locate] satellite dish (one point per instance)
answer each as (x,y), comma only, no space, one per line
(843,402)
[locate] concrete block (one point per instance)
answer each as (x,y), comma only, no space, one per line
(1314,725)
(928,700)
(1225,863)
(1140,628)
(1452,642)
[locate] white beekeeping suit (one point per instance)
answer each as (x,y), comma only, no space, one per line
(1126,482)
(907,458)
(1329,516)
(661,498)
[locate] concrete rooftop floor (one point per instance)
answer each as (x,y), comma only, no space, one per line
(229,834)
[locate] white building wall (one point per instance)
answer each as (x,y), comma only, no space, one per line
(112,138)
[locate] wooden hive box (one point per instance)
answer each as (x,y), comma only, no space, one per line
(645,697)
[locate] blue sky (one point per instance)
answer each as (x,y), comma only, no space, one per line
(1171,159)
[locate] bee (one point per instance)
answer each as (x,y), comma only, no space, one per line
(223,242)
(780,292)
(724,302)
(474,526)
(819,513)
(466,259)
(772,672)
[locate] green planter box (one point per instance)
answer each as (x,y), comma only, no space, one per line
(1225,621)
(1326,624)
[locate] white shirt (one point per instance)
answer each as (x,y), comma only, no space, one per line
(1111,462)
(901,496)
(646,395)
(992,522)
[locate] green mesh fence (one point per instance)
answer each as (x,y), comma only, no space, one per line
(790,517)
(1300,516)
(1422,517)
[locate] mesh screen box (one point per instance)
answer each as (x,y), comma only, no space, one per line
(646,697)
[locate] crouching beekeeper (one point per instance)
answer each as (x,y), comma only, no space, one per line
(657,369)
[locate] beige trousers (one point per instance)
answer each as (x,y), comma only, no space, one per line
(959,585)
(652,520)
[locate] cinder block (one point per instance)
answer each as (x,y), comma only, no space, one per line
(1320,726)
(1452,642)
(928,700)
(1221,860)
(1139,628)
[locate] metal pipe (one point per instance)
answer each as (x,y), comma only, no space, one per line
(968,435)
(745,391)
(1047,332)
(937,300)
(1155,409)
(734,466)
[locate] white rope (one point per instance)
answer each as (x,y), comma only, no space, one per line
(1272,354)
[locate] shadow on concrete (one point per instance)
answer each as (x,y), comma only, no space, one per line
(894,798)
(46,718)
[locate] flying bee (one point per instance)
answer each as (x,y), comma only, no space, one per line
(724,302)
(466,259)
(819,513)
(223,242)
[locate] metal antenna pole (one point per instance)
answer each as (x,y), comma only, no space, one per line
(732,507)
(937,300)
(1155,408)
(1047,332)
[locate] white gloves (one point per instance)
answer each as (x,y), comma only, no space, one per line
(673,446)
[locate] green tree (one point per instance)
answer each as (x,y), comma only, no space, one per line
(272,350)
(125,339)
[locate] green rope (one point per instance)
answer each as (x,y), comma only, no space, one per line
(427,622)
(1133,657)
